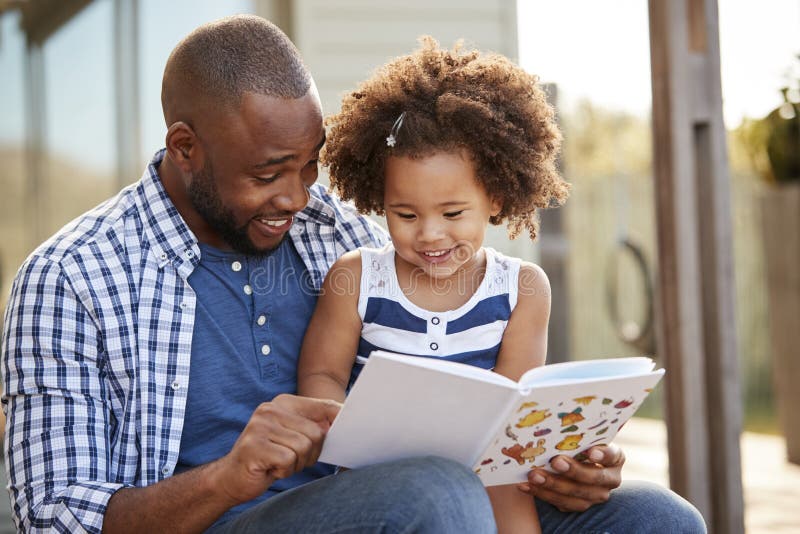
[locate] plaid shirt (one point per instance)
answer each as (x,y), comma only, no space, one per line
(97,346)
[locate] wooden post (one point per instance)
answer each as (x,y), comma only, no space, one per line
(126,91)
(780,219)
(35,114)
(696,325)
(554,249)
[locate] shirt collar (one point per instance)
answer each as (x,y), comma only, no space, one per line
(171,240)
(317,210)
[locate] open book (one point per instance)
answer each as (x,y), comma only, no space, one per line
(405,406)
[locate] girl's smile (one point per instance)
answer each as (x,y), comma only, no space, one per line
(436,256)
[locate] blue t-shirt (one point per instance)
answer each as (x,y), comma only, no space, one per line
(252,313)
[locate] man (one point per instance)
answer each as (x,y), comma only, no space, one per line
(150,346)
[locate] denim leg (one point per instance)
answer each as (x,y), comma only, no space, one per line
(419,495)
(638,507)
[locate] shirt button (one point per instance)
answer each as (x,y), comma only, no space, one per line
(189,254)
(184,305)
(265,350)
(434,346)
(165,470)
(261,320)
(163,256)
(176,385)
(248,290)
(236,266)
(435,320)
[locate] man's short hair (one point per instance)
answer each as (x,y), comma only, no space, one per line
(220,61)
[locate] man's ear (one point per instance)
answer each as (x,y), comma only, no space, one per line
(182,146)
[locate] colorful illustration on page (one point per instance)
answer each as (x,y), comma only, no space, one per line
(540,428)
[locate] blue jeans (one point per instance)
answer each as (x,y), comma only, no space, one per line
(638,507)
(439,496)
(418,495)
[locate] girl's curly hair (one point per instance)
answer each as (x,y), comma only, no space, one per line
(452,100)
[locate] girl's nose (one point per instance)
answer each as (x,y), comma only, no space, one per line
(430,231)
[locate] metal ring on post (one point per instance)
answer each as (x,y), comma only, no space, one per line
(637,334)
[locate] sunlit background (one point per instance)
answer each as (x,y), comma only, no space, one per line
(68,140)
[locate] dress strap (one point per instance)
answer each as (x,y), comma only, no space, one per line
(378,277)
(502,275)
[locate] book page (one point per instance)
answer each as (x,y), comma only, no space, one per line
(558,419)
(586,370)
(401,409)
(452,368)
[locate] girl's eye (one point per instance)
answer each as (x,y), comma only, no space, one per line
(451,214)
(407,216)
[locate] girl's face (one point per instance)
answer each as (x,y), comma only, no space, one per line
(437,211)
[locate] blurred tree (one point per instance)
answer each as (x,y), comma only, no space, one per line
(598,142)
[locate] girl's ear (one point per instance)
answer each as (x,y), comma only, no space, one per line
(497,205)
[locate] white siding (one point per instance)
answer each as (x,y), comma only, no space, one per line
(343,41)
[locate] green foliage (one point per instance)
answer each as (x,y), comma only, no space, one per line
(773,142)
(783,141)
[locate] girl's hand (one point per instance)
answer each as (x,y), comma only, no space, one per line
(578,485)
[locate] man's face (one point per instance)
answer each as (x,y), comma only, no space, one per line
(258,166)
(206,201)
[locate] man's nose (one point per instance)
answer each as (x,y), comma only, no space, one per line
(293,197)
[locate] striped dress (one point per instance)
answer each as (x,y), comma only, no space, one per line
(470,334)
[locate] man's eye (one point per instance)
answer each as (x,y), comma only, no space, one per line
(451,214)
(267,179)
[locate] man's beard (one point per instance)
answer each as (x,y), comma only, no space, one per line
(205,199)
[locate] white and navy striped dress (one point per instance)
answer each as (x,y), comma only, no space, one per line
(470,334)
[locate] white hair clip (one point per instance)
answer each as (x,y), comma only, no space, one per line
(392,139)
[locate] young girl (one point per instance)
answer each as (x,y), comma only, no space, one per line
(442,143)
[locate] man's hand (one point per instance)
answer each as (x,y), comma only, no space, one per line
(578,485)
(282,437)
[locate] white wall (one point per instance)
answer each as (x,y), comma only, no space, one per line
(343,41)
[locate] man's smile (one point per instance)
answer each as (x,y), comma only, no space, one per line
(273,226)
